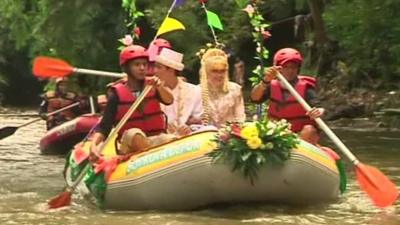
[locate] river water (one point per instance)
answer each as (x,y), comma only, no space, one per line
(28,179)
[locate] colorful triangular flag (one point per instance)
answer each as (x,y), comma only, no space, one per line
(178,3)
(170,24)
(213,20)
(152,51)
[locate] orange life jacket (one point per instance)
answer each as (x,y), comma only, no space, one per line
(290,109)
(148,117)
(56,102)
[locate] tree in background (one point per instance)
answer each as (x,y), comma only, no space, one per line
(368,34)
(85,33)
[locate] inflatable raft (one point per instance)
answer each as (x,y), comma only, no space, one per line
(62,138)
(181,176)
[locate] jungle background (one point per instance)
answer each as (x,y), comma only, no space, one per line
(351,46)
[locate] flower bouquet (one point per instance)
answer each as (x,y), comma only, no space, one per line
(248,146)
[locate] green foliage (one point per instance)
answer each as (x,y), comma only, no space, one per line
(86,33)
(368,32)
(248,146)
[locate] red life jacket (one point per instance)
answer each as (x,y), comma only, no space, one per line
(148,116)
(290,109)
(56,102)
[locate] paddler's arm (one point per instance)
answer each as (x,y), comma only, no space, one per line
(261,91)
(105,125)
(164,94)
(312,99)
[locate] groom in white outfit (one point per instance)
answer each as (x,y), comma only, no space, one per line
(187,108)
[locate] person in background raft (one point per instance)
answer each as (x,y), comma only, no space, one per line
(283,105)
(57,99)
(222,100)
(101,103)
(187,108)
(148,122)
(239,71)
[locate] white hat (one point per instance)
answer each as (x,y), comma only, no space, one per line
(170,58)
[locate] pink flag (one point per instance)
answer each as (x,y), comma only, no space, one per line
(152,51)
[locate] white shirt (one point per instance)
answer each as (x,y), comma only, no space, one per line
(187,103)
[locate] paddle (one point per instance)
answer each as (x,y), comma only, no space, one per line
(378,187)
(47,67)
(7,131)
(64,198)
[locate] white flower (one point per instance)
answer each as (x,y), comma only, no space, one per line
(271,125)
(127,40)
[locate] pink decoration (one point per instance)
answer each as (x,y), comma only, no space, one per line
(266,35)
(249,10)
(137,31)
(127,40)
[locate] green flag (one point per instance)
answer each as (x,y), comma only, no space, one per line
(213,20)
(242,3)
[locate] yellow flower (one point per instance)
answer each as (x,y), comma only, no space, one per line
(254,143)
(249,131)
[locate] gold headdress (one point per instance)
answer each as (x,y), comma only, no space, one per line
(210,58)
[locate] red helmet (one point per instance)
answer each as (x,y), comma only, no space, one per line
(162,43)
(132,52)
(287,55)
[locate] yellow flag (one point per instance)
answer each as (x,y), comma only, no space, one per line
(170,24)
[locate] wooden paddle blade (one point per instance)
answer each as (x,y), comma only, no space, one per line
(46,67)
(379,188)
(62,200)
(7,131)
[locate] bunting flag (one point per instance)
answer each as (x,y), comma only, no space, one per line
(213,20)
(152,50)
(170,24)
(178,3)
(241,3)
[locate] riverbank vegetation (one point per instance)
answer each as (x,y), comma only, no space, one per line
(353,47)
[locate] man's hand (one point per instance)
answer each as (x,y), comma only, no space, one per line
(271,73)
(179,130)
(315,113)
(154,81)
(43,116)
(94,154)
(83,103)
(193,120)
(184,130)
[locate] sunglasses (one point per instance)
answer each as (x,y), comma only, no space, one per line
(218,70)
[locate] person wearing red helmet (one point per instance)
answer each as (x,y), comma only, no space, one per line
(283,105)
(144,122)
(57,99)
